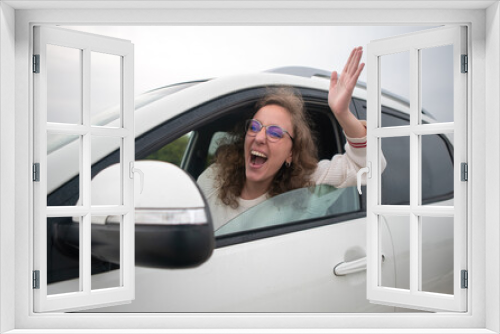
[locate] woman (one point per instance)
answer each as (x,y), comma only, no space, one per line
(277,154)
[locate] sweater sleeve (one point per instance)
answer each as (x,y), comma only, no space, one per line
(206,182)
(341,171)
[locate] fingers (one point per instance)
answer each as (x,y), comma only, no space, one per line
(358,72)
(352,65)
(349,61)
(351,71)
(333,79)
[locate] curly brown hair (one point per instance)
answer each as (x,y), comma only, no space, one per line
(230,159)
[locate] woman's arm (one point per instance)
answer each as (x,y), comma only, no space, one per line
(341,170)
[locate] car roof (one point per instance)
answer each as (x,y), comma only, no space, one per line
(199,92)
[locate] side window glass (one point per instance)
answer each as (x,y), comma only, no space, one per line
(294,206)
(173,152)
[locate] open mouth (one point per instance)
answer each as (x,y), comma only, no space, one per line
(257,158)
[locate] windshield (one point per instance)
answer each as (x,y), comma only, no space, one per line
(109,115)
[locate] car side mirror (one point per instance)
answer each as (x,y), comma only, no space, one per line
(173,225)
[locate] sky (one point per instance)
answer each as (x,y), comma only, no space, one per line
(170,54)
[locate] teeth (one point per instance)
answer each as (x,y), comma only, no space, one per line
(259,154)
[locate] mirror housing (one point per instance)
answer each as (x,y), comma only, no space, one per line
(173,225)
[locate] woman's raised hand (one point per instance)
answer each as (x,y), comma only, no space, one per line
(341,88)
(339,96)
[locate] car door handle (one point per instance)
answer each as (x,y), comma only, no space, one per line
(346,268)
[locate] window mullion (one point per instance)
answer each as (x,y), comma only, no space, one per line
(85,226)
(414,171)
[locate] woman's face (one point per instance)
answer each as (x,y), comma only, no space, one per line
(263,158)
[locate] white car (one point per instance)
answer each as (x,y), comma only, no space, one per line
(302,251)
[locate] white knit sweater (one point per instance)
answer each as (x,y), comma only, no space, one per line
(340,171)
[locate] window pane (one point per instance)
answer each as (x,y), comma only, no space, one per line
(437,254)
(70,249)
(437,83)
(106,244)
(395,76)
(64,87)
(437,170)
(296,205)
(63,164)
(106,188)
(395,262)
(172,152)
(105,89)
(396,176)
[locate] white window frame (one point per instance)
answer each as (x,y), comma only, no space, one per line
(412,44)
(484,120)
(87,44)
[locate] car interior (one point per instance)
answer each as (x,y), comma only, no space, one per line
(198,153)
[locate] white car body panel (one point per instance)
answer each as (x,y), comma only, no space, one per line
(247,277)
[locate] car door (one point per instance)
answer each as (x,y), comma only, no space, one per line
(285,267)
